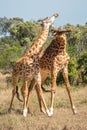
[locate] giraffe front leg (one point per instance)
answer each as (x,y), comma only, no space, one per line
(52,95)
(42,102)
(40,94)
(43,78)
(24,91)
(32,84)
(39,100)
(53,87)
(65,75)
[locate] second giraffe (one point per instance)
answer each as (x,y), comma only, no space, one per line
(54,59)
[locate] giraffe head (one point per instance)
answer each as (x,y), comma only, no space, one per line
(61,31)
(60,36)
(47,22)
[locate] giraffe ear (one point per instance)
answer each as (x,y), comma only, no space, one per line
(54,30)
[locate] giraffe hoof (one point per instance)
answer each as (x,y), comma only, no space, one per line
(49,113)
(25,112)
(74,110)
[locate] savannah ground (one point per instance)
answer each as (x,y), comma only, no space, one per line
(63,118)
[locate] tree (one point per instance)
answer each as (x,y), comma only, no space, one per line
(10,56)
(6,24)
(73,73)
(25,32)
(82,67)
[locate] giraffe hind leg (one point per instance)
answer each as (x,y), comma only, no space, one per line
(18,96)
(45,90)
(15,80)
(13,94)
(65,75)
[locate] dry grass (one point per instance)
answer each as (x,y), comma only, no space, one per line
(63,118)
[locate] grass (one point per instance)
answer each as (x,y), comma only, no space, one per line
(63,118)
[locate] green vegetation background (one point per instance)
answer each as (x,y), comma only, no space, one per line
(16,36)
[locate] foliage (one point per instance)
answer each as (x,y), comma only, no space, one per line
(73,73)
(17,36)
(10,56)
(6,24)
(82,67)
(25,32)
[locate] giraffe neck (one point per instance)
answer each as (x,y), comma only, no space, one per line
(57,47)
(60,44)
(37,45)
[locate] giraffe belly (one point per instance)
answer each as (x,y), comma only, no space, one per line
(30,71)
(44,74)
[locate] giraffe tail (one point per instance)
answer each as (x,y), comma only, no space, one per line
(18,96)
(45,90)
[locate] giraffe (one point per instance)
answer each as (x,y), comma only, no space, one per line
(55,59)
(27,67)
